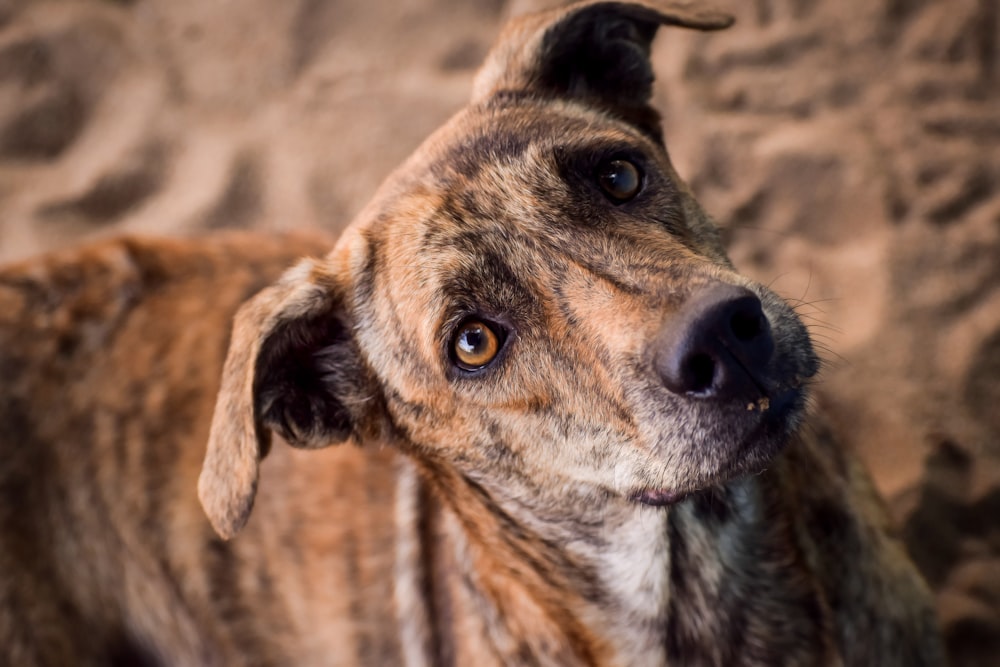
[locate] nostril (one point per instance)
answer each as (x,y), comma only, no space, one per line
(747,325)
(699,371)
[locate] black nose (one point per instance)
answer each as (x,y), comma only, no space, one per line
(717,346)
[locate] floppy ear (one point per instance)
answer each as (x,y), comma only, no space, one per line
(294,368)
(594,51)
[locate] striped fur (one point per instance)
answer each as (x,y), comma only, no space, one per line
(370,503)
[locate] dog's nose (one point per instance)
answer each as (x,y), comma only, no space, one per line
(717,346)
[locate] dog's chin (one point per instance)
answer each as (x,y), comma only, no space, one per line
(765,437)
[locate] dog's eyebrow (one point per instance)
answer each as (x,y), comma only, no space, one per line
(502,134)
(467,157)
(489,285)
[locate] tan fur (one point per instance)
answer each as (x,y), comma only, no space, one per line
(363,499)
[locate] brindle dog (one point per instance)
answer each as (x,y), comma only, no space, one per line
(578,434)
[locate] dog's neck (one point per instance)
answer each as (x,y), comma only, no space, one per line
(606,581)
(568,583)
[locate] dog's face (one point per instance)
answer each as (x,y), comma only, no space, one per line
(533,299)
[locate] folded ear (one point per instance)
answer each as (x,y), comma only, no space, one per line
(294,368)
(593,51)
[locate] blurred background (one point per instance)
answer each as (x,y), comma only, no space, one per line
(849,148)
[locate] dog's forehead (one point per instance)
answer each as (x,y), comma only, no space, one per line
(513,129)
(511,176)
(499,167)
(503,162)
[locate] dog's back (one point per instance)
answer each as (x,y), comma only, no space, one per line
(110,359)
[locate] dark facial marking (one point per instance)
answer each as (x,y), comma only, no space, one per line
(489,288)
(465,159)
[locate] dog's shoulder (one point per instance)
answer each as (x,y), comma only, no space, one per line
(70,305)
(125,331)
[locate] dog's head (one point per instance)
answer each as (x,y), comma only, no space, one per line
(533,298)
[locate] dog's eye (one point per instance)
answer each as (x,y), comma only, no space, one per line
(619,179)
(475,345)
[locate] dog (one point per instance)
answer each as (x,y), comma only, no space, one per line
(525,412)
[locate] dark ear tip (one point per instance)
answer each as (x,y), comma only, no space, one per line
(716,21)
(696,18)
(678,14)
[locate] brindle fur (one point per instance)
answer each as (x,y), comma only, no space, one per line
(480,519)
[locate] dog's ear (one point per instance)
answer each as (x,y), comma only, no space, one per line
(293,368)
(594,51)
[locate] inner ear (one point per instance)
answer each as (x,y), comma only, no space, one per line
(593,52)
(307,376)
(602,57)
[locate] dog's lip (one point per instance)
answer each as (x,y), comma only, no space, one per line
(658,497)
(773,410)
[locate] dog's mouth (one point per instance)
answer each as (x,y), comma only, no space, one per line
(767,428)
(660,498)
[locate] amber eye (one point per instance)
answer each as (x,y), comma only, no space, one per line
(619,179)
(475,345)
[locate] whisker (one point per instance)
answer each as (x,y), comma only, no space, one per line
(776,279)
(823,336)
(809,282)
(823,326)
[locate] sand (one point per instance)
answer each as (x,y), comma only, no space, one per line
(850,149)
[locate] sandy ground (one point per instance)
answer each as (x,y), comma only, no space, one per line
(850,149)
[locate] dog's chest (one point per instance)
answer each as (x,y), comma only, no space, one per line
(740,592)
